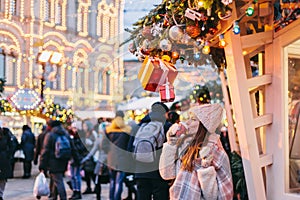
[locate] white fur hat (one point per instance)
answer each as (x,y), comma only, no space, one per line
(209,114)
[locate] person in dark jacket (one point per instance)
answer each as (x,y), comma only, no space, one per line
(148,180)
(40,141)
(118,136)
(78,153)
(39,145)
(27,145)
(6,154)
(15,148)
(56,167)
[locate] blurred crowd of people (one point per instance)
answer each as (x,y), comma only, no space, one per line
(102,153)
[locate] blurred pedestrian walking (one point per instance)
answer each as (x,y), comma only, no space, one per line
(99,171)
(118,136)
(50,159)
(78,153)
(89,165)
(27,145)
(150,184)
(39,144)
(6,154)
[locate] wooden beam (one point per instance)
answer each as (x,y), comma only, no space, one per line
(288,28)
(242,107)
(253,51)
(228,107)
(266,159)
(259,81)
(257,39)
(262,120)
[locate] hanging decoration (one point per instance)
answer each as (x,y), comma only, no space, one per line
(285,13)
(5,106)
(181,29)
(166,92)
(56,112)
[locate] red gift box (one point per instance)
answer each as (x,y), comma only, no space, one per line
(152,73)
(166,92)
(172,72)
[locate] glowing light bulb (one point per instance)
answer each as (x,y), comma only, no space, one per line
(250,10)
(236,28)
(206,48)
(200,4)
(222,42)
(175,54)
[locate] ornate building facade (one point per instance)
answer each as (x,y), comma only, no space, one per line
(83,35)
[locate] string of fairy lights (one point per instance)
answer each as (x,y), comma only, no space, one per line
(46,109)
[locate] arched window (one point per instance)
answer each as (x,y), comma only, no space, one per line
(99,24)
(80,80)
(69,78)
(100,82)
(47,11)
(58,14)
(91,80)
(2,63)
(108,83)
(80,20)
(11,70)
(8,67)
(13,7)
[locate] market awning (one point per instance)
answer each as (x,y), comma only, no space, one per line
(94,114)
(144,103)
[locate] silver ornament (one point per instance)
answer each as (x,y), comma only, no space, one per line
(165,45)
(175,33)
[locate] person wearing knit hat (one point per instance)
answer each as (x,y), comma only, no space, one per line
(115,143)
(210,115)
(204,163)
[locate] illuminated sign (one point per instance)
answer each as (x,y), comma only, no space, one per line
(25,99)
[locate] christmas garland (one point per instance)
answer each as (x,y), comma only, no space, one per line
(44,110)
(179,29)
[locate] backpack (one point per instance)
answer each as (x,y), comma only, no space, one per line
(62,148)
(149,138)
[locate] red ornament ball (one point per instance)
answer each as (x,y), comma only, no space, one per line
(193,31)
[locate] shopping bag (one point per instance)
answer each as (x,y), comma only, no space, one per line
(19,154)
(41,187)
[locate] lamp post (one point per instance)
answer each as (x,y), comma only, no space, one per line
(44,57)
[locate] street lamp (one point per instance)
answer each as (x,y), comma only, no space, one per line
(47,56)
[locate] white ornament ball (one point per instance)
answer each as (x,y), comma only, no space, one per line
(186,39)
(165,45)
(175,33)
(146,45)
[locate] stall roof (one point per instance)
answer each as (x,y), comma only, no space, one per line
(94,114)
(144,103)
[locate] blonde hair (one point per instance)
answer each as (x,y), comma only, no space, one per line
(193,149)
